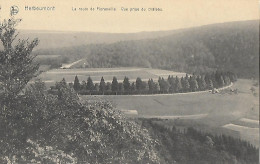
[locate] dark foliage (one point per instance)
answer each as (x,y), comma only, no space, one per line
(37,127)
(230,46)
(194,147)
(57,128)
(16,61)
(76,84)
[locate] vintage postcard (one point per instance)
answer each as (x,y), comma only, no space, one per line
(129,81)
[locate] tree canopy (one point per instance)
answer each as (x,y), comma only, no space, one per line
(16,61)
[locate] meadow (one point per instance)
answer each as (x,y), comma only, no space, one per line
(224,111)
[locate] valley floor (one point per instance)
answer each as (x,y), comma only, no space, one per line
(222,113)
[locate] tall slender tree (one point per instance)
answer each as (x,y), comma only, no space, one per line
(133,87)
(214,79)
(185,84)
(221,81)
(160,83)
(16,61)
(202,83)
(115,85)
(226,80)
(76,84)
(126,84)
(164,85)
(90,84)
(138,83)
(178,85)
(102,85)
(210,84)
(194,84)
(171,82)
(151,85)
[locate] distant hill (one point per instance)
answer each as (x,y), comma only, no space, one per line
(230,46)
(56,39)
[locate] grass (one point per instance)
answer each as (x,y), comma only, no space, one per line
(220,109)
(46,56)
(250,123)
(181,104)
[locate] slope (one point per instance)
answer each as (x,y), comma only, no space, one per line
(232,46)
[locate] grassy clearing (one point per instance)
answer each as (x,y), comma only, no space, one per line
(216,105)
(239,127)
(247,122)
(180,104)
(220,109)
(194,116)
(46,56)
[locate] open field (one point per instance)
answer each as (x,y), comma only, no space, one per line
(251,123)
(179,104)
(213,110)
(52,76)
(46,56)
(255,122)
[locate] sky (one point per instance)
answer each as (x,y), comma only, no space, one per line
(175,14)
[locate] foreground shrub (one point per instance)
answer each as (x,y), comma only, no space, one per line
(36,127)
(75,131)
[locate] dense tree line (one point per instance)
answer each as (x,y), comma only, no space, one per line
(193,146)
(170,85)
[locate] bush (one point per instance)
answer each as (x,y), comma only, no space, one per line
(80,131)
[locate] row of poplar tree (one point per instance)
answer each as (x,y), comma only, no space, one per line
(171,85)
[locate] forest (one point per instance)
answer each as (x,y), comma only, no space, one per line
(191,146)
(229,46)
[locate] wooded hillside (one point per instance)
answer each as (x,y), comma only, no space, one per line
(229,46)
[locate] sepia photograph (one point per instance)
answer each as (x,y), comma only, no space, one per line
(129,82)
